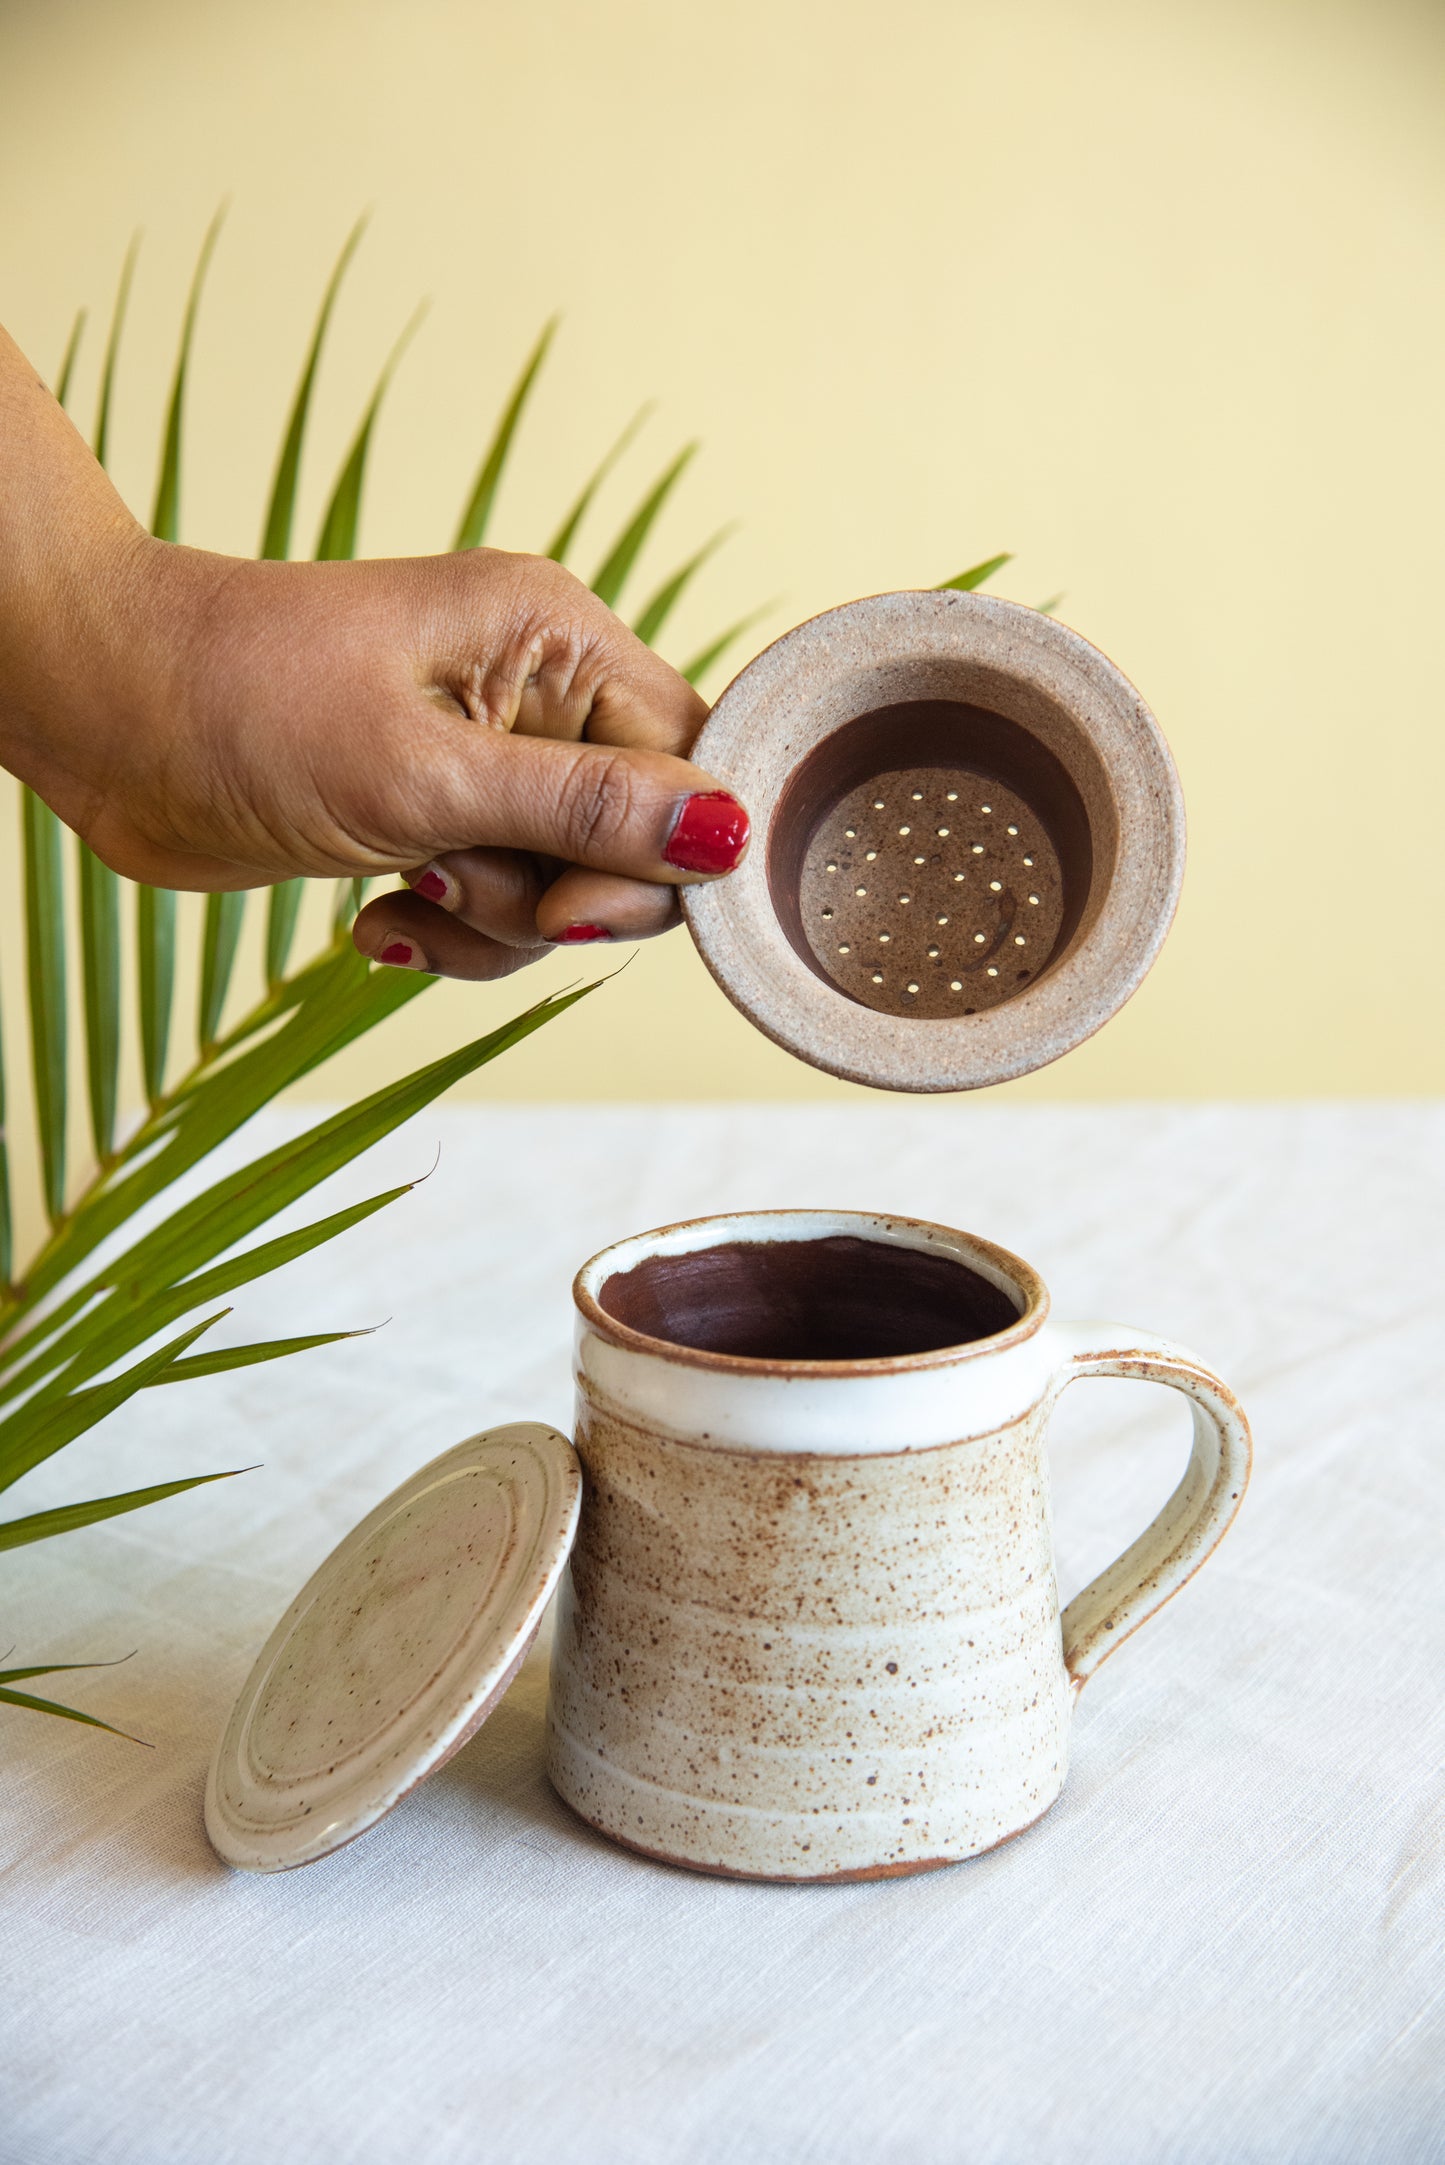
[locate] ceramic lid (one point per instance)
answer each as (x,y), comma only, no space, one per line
(968,841)
(396,1649)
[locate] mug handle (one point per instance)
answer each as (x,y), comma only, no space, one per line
(1196,1517)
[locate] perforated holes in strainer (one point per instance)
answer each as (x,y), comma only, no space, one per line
(931,891)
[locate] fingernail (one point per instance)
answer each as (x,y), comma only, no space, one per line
(711,833)
(403,955)
(431,881)
(579,935)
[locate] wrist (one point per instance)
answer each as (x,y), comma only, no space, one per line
(91,608)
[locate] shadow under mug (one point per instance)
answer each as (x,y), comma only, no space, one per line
(810,1628)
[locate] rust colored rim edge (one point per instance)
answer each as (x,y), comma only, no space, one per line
(1022,1279)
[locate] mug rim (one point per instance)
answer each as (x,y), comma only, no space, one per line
(1000,1266)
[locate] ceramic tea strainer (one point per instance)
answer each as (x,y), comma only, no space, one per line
(968,841)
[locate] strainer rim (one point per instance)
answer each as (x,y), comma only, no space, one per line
(800,1011)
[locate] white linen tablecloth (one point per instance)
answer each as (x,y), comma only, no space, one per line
(1223,1944)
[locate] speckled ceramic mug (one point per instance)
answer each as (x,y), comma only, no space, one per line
(811,1626)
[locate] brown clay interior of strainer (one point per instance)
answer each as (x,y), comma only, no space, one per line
(932,858)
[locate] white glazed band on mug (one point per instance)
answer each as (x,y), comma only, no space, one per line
(874,1405)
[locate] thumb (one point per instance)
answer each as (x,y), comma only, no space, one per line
(646,815)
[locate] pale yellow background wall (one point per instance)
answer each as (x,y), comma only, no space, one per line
(1150,294)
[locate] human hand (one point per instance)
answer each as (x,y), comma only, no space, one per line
(478,722)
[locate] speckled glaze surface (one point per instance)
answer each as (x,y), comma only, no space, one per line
(396,1649)
(968,841)
(810,1628)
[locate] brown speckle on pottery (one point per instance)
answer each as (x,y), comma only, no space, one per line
(810,1629)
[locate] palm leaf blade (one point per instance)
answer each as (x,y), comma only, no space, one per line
(100,977)
(45,962)
(612,573)
(474,520)
(66,1518)
(266,1349)
(66,1713)
(281,916)
(7,1234)
(964,582)
(57,1668)
(67,364)
(566,533)
(112,350)
(700,664)
(276,536)
(155,924)
(166,516)
(670,593)
(220,938)
(339,528)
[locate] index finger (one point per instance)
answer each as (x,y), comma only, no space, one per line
(646,704)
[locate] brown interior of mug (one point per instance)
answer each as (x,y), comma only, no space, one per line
(931,858)
(838,1298)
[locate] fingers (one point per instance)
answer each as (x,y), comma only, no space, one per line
(408,933)
(514,901)
(495,891)
(582,907)
(466,911)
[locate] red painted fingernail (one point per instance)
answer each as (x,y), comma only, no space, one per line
(578,935)
(711,833)
(430,883)
(403,955)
